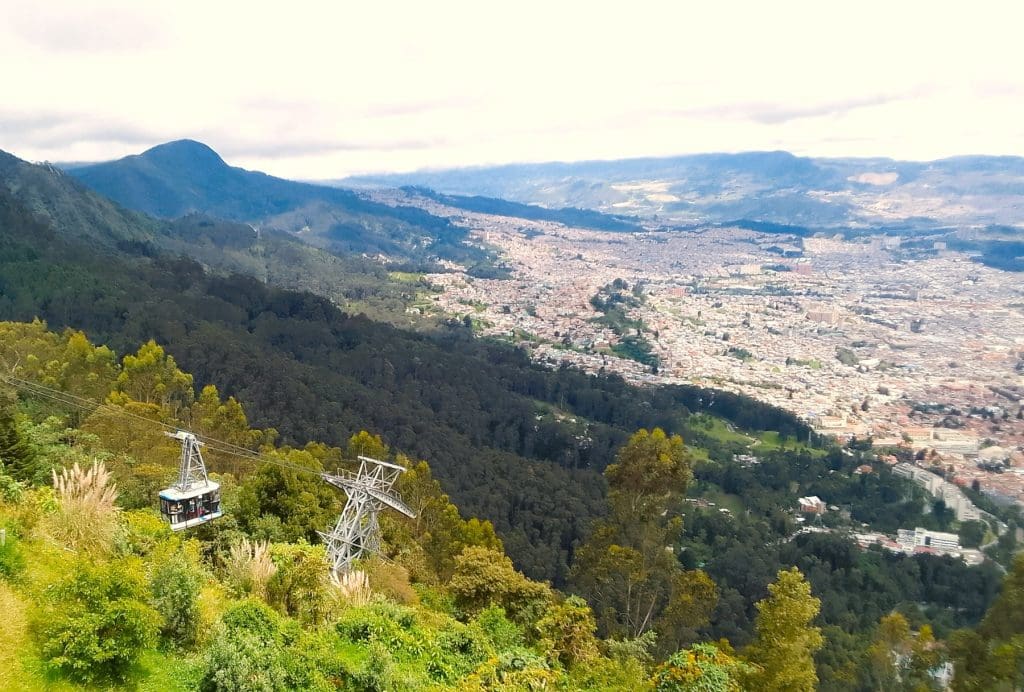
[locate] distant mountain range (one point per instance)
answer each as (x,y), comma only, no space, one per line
(185,177)
(775,187)
(972,204)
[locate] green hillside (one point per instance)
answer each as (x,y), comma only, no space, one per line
(98,592)
(187,177)
(315,372)
(275,257)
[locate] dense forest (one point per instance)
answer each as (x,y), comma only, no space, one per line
(97,590)
(514,442)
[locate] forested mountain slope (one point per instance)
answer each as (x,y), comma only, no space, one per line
(97,591)
(275,257)
(511,441)
(184,177)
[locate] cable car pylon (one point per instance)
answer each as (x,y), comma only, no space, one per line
(357,531)
(195,499)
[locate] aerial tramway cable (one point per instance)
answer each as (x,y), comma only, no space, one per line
(195,499)
(90,405)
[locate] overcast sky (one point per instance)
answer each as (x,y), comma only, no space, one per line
(323,90)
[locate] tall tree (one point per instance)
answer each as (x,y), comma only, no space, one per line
(627,568)
(890,651)
(783,651)
(432,540)
(16,454)
(652,471)
(992,658)
(151,376)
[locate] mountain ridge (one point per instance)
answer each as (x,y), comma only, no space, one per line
(185,176)
(773,186)
(80,214)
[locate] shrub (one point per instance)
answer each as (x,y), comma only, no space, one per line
(484,577)
(11,491)
(141,532)
(385,622)
(459,650)
(246,652)
(567,632)
(503,633)
(242,662)
(300,585)
(12,562)
(94,624)
(378,674)
(701,668)
(175,587)
(518,669)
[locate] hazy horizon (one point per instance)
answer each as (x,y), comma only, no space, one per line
(402,87)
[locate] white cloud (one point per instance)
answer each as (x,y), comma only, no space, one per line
(319,90)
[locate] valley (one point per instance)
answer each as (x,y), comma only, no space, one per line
(861,337)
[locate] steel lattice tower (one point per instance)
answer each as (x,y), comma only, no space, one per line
(357,532)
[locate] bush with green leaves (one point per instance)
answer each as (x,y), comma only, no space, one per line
(11,490)
(388,623)
(252,649)
(300,585)
(94,624)
(378,673)
(484,577)
(516,669)
(141,532)
(701,668)
(438,648)
(457,651)
(12,561)
(175,585)
(242,662)
(503,633)
(566,632)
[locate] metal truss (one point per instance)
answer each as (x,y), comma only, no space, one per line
(192,470)
(357,531)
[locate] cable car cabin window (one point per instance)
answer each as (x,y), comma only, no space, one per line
(211,502)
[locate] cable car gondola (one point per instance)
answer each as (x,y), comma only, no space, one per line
(195,499)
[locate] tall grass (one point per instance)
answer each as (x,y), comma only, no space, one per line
(353,587)
(86,516)
(249,567)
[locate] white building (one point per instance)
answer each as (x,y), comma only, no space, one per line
(940,489)
(922,538)
(811,505)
